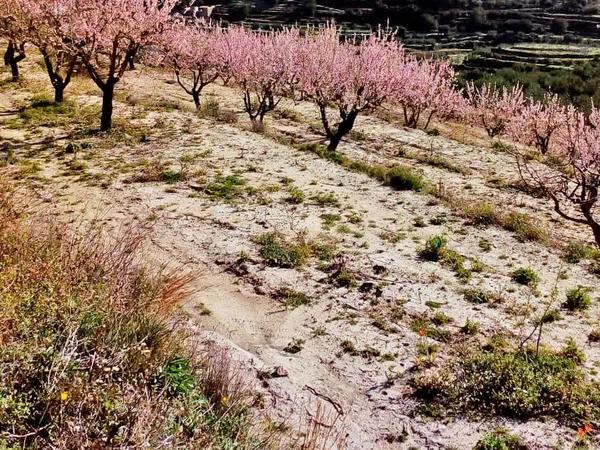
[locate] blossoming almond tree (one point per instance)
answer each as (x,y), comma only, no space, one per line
(45,30)
(189,51)
(350,78)
(106,34)
(14,23)
(427,87)
(540,123)
(493,108)
(569,173)
(261,65)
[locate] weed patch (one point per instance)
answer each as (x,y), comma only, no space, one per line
(513,382)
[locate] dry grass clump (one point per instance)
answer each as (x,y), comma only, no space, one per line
(398,177)
(525,227)
(88,358)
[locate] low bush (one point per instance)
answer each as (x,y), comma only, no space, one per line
(501,380)
(525,276)
(524,228)
(435,250)
(434,247)
(404,179)
(578,299)
(226,188)
(278,252)
(477,296)
(470,327)
(482,213)
(577,251)
(295,195)
(500,440)
(292,298)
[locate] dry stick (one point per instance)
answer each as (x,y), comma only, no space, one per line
(338,408)
(539,327)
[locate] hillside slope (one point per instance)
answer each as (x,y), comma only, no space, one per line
(308,266)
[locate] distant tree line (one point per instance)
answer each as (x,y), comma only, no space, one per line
(580,86)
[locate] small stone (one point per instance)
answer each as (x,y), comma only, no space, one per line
(279,372)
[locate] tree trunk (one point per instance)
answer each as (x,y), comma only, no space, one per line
(429,120)
(334,141)
(343,128)
(59,91)
(10,59)
(107,106)
(596,230)
(196,97)
(131,63)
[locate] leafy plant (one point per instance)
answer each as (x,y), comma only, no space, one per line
(225,188)
(295,195)
(525,276)
(179,375)
(434,247)
(578,299)
(404,179)
(515,382)
(278,252)
(500,440)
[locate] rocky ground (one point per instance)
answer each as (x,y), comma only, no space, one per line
(340,326)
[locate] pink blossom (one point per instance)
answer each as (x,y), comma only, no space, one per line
(348,76)
(493,108)
(539,123)
(189,51)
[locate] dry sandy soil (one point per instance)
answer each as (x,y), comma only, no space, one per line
(376,230)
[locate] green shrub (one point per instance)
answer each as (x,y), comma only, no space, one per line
(551,316)
(578,299)
(404,179)
(573,352)
(179,375)
(434,248)
(576,251)
(514,382)
(476,296)
(500,440)
(171,176)
(330,220)
(277,252)
(210,108)
(225,188)
(470,327)
(296,196)
(292,298)
(328,199)
(483,213)
(441,318)
(525,276)
(456,262)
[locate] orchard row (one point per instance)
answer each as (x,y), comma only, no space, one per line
(343,78)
